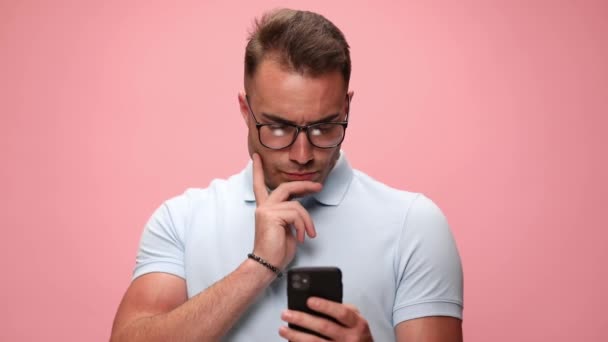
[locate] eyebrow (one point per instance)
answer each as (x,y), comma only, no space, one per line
(280,120)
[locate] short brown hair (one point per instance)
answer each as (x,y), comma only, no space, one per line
(301,41)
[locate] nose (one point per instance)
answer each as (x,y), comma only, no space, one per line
(301,150)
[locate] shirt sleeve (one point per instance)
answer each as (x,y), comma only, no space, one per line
(161,248)
(428,267)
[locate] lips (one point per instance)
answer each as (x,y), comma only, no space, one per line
(299,176)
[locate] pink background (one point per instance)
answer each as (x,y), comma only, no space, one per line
(495,109)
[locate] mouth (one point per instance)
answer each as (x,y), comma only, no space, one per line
(300,176)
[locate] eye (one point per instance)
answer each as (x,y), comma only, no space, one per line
(322,129)
(278,130)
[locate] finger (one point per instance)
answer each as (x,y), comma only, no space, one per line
(342,313)
(300,228)
(293,219)
(354,308)
(309,226)
(317,324)
(287,190)
(259,184)
(298,336)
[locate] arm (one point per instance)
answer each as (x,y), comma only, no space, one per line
(428,302)
(155,307)
(430,329)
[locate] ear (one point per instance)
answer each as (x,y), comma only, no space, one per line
(348,104)
(243,107)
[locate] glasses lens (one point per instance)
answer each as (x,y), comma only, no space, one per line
(277,136)
(326,134)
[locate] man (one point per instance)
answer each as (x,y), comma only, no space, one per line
(298,203)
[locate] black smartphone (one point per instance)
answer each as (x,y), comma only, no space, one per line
(305,282)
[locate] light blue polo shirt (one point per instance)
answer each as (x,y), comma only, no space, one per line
(395,249)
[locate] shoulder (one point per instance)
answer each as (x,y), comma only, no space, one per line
(416,212)
(425,210)
(193,200)
(217,189)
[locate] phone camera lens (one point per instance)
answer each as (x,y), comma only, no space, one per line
(300,281)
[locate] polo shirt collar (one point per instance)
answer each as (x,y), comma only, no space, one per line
(334,189)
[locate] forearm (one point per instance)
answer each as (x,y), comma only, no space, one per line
(208,315)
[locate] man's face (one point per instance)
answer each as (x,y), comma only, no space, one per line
(277,95)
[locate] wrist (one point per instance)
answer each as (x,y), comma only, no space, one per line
(261,274)
(276,259)
(263,262)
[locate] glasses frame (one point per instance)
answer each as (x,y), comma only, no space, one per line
(299,128)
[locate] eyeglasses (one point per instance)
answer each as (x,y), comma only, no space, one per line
(277,136)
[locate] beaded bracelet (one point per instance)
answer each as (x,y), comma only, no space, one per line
(266,264)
